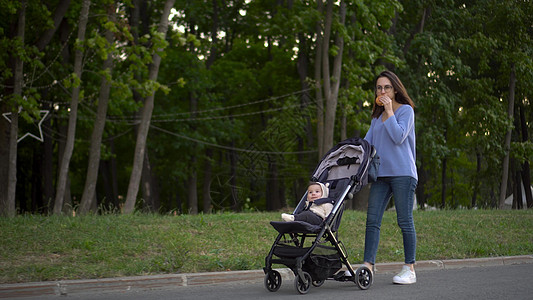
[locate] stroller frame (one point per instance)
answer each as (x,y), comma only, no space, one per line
(289,247)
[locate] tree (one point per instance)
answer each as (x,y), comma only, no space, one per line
(76,78)
(330,82)
(59,14)
(140,146)
(240,100)
(88,197)
(513,53)
(8,207)
(507,142)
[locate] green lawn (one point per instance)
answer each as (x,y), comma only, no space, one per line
(37,248)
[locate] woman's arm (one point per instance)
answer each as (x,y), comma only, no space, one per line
(399,125)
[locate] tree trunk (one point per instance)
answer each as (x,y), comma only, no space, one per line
(526,178)
(89,190)
(69,147)
(142,135)
(331,81)
(67,200)
(303,73)
(36,181)
(68,205)
(208,168)
(326,76)
(139,20)
(443,183)
(59,14)
(206,189)
(192,194)
(9,207)
(108,171)
(179,200)
(419,29)
(526,181)
(106,181)
(4,161)
(318,83)
(233,179)
(150,188)
(476,180)
(507,143)
(344,124)
(421,195)
(47,168)
(517,188)
(12,169)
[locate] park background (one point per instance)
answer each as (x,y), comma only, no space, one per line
(181,107)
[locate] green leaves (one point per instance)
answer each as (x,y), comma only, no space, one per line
(236,77)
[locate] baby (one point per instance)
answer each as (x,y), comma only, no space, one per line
(313,213)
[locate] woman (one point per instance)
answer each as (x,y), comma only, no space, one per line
(392,132)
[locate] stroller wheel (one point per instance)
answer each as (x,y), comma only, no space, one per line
(363,277)
(272,281)
(303,284)
(318,283)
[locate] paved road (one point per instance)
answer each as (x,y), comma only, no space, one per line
(505,282)
(492,278)
(496,282)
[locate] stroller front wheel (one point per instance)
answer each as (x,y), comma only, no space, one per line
(303,284)
(272,280)
(363,277)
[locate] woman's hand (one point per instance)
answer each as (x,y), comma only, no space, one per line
(385,100)
(387,105)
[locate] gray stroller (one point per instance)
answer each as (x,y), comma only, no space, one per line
(314,253)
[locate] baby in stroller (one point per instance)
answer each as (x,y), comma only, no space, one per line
(317,207)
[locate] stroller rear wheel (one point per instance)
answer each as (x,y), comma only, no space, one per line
(303,284)
(318,283)
(272,280)
(363,277)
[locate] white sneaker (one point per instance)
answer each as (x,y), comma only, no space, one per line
(406,276)
(287,217)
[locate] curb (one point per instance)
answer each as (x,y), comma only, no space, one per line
(124,284)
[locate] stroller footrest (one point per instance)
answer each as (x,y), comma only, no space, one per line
(295,227)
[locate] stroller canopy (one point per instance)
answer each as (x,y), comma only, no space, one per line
(347,159)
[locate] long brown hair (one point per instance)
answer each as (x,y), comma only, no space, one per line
(401,93)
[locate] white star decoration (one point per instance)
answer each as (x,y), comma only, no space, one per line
(43,114)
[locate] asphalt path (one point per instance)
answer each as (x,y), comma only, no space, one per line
(513,281)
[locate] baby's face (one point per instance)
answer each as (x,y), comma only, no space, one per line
(314,192)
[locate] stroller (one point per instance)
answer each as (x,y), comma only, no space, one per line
(313,252)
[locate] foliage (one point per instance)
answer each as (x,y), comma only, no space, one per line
(231,83)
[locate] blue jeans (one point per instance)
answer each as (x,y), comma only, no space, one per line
(403,189)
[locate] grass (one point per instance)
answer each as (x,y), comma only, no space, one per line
(38,248)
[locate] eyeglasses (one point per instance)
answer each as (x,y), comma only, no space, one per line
(387,88)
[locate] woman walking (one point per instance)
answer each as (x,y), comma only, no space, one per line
(392,132)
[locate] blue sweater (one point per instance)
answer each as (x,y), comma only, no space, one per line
(395,143)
